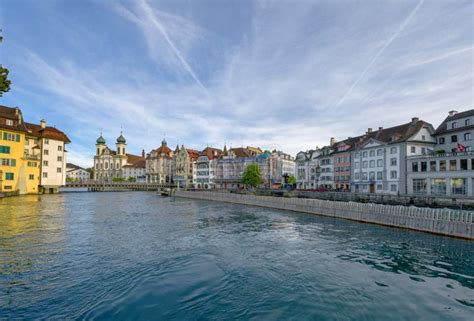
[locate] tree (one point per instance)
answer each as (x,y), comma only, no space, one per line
(4,82)
(252,176)
(291,180)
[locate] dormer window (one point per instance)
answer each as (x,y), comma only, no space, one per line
(453,125)
(9,122)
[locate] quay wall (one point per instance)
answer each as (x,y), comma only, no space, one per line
(449,222)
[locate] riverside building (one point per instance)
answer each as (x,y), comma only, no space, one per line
(204,168)
(449,171)
(159,164)
(32,157)
(379,157)
(109,163)
(183,166)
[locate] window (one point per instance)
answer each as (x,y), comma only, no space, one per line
(458,186)
(467,136)
(364,176)
(393,162)
(372,164)
(365,164)
(11,137)
(454,125)
(379,175)
(356,165)
(453,165)
(379,152)
(46,141)
(454,139)
(27,141)
(413,149)
(467,122)
(60,148)
(9,122)
(356,155)
(31,164)
(364,154)
(414,167)
(393,187)
(60,158)
(372,153)
(356,176)
(433,166)
(441,140)
(379,187)
(464,164)
(423,137)
(45,175)
(96,166)
(380,163)
(31,177)
(423,150)
(424,166)
(59,170)
(46,152)
(9,176)
(419,186)
(393,150)
(438,186)
(442,165)
(372,176)
(393,174)
(45,163)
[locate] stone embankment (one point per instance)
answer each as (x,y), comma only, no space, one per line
(456,223)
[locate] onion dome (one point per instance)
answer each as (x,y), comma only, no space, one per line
(121,139)
(100,140)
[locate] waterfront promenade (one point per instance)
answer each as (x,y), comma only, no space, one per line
(448,222)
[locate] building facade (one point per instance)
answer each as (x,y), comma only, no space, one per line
(183,166)
(205,168)
(380,157)
(326,169)
(32,157)
(159,164)
(135,172)
(307,169)
(76,173)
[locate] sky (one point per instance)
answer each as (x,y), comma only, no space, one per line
(284,74)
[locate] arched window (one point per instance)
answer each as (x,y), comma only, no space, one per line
(98,151)
(106,165)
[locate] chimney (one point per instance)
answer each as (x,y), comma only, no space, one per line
(43,123)
(143,153)
(414,120)
(452,113)
(369,130)
(332,141)
(380,128)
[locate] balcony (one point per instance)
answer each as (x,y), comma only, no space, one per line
(28,156)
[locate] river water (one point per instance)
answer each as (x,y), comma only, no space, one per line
(138,256)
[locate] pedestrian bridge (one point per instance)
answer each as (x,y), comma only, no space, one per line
(93,186)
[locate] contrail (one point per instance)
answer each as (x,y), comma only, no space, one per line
(149,12)
(389,41)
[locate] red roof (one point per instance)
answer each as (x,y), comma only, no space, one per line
(211,153)
(48,132)
(193,154)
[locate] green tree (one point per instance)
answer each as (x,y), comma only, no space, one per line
(4,82)
(252,176)
(290,179)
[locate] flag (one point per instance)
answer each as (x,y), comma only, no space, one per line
(461,148)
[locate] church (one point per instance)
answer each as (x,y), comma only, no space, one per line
(108,163)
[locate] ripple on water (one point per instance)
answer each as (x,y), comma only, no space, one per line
(138,256)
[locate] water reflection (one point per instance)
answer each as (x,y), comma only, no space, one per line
(139,256)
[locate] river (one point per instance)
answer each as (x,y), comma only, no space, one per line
(139,256)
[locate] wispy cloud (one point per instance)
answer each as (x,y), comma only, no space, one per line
(270,77)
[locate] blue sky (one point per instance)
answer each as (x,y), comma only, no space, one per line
(277,74)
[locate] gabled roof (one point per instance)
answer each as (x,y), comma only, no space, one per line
(163,149)
(211,153)
(443,128)
(242,152)
(47,132)
(133,159)
(394,135)
(12,114)
(138,164)
(193,154)
(71,166)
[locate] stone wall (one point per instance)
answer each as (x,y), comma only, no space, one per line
(434,220)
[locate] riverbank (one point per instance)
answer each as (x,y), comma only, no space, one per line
(455,223)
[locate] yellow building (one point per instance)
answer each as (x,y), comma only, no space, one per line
(12,142)
(31,156)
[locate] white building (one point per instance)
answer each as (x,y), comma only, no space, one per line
(379,157)
(51,143)
(159,164)
(204,169)
(326,168)
(76,173)
(135,172)
(307,169)
(281,165)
